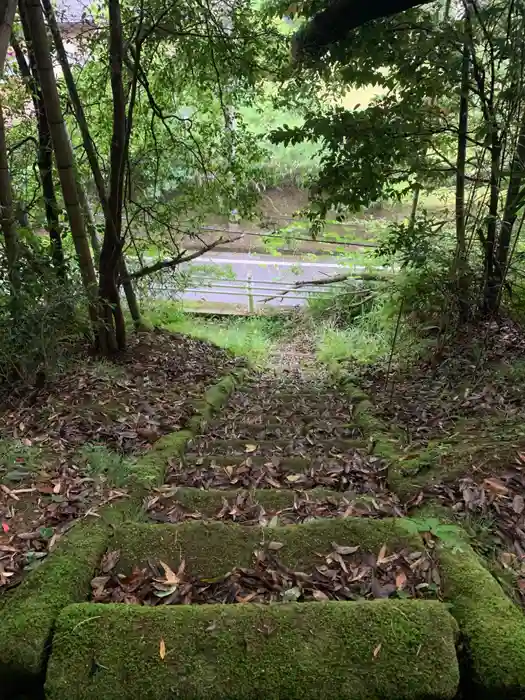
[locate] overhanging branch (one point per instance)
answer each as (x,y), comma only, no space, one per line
(183,257)
(341,16)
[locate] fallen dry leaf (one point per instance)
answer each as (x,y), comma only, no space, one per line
(496,485)
(162,649)
(109,561)
(377,650)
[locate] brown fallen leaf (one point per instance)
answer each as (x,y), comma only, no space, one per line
(496,486)
(381,557)
(170,577)
(401,580)
(319,595)
(162,649)
(109,561)
(377,650)
(250,448)
(518,504)
(341,549)
(275,546)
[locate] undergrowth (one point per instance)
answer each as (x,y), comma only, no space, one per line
(248,337)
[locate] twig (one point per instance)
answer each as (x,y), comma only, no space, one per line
(327,280)
(173,262)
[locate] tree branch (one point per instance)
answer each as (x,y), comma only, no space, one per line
(341,16)
(181,258)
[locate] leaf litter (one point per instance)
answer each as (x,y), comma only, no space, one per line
(126,406)
(345,574)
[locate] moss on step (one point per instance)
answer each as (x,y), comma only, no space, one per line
(211,549)
(492,627)
(291,464)
(209,502)
(398,650)
(28,616)
(280,446)
(149,471)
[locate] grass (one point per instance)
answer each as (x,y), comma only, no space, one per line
(335,345)
(99,461)
(248,337)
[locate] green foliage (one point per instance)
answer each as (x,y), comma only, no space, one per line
(336,345)
(41,321)
(448,535)
(100,461)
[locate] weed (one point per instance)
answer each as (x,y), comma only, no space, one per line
(448,535)
(99,461)
(18,460)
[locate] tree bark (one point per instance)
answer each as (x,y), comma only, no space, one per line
(513,203)
(460,263)
(115,337)
(92,157)
(63,152)
(491,282)
(7,216)
(45,149)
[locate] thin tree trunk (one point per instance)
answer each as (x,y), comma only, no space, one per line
(91,154)
(63,152)
(491,287)
(7,15)
(460,263)
(45,149)
(513,203)
(111,247)
(89,218)
(7,217)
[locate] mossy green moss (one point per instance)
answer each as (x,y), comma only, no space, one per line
(211,549)
(149,471)
(27,618)
(395,650)
(492,627)
(209,502)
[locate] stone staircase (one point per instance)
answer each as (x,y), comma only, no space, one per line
(283,481)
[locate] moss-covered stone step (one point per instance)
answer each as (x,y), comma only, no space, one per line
(208,503)
(273,426)
(492,627)
(277,445)
(291,464)
(28,615)
(395,650)
(211,549)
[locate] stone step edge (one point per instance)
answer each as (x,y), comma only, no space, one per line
(237,443)
(150,469)
(291,464)
(210,501)
(352,651)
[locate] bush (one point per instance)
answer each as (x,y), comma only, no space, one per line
(41,323)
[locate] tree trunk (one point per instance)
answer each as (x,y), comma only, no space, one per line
(114,338)
(7,217)
(491,281)
(7,15)
(513,203)
(91,155)
(460,262)
(63,151)
(45,149)
(89,218)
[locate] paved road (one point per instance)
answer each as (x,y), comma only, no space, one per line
(250,279)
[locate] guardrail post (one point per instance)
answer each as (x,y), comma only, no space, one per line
(251,303)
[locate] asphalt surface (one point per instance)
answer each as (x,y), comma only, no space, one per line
(253,280)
